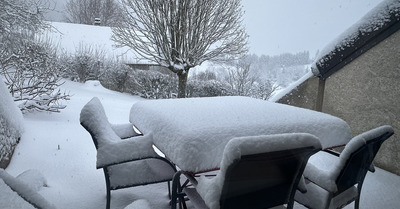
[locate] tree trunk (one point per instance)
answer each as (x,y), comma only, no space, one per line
(182,77)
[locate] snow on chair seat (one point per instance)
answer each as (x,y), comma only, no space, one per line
(126,162)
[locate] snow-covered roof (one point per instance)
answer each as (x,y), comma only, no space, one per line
(375,26)
(72,38)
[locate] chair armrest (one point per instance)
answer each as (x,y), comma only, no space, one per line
(332,152)
(131,149)
(302,185)
(125,130)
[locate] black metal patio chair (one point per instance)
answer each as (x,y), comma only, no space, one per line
(126,157)
(256,172)
(335,180)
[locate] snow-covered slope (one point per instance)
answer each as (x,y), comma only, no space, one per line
(71,38)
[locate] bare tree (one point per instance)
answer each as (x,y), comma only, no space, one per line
(19,14)
(181,34)
(241,78)
(245,80)
(86,11)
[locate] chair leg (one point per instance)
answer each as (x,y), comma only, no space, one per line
(108,199)
(108,189)
(169,190)
(357,202)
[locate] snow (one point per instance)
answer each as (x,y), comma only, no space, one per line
(139,204)
(59,148)
(279,94)
(33,179)
(8,110)
(370,22)
(71,38)
(111,149)
(10,199)
(219,119)
(324,168)
(210,189)
(26,192)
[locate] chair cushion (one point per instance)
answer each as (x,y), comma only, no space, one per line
(320,170)
(139,172)
(317,197)
(324,168)
(129,149)
(344,198)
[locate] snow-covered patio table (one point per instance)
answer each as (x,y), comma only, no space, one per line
(193,132)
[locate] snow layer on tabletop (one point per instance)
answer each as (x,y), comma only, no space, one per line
(8,109)
(210,189)
(370,22)
(23,190)
(111,149)
(193,132)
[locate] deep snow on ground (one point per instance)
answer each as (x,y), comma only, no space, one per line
(63,152)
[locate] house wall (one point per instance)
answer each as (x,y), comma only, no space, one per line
(305,95)
(365,93)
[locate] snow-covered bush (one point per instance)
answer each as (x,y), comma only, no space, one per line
(11,125)
(207,88)
(151,84)
(85,64)
(263,89)
(32,75)
(115,76)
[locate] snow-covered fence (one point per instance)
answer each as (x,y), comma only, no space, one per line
(11,125)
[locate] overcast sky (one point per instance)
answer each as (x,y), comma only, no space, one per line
(280,26)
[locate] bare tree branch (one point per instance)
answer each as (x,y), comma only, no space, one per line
(181,34)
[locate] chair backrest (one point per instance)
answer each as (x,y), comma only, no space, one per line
(357,158)
(265,173)
(93,118)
